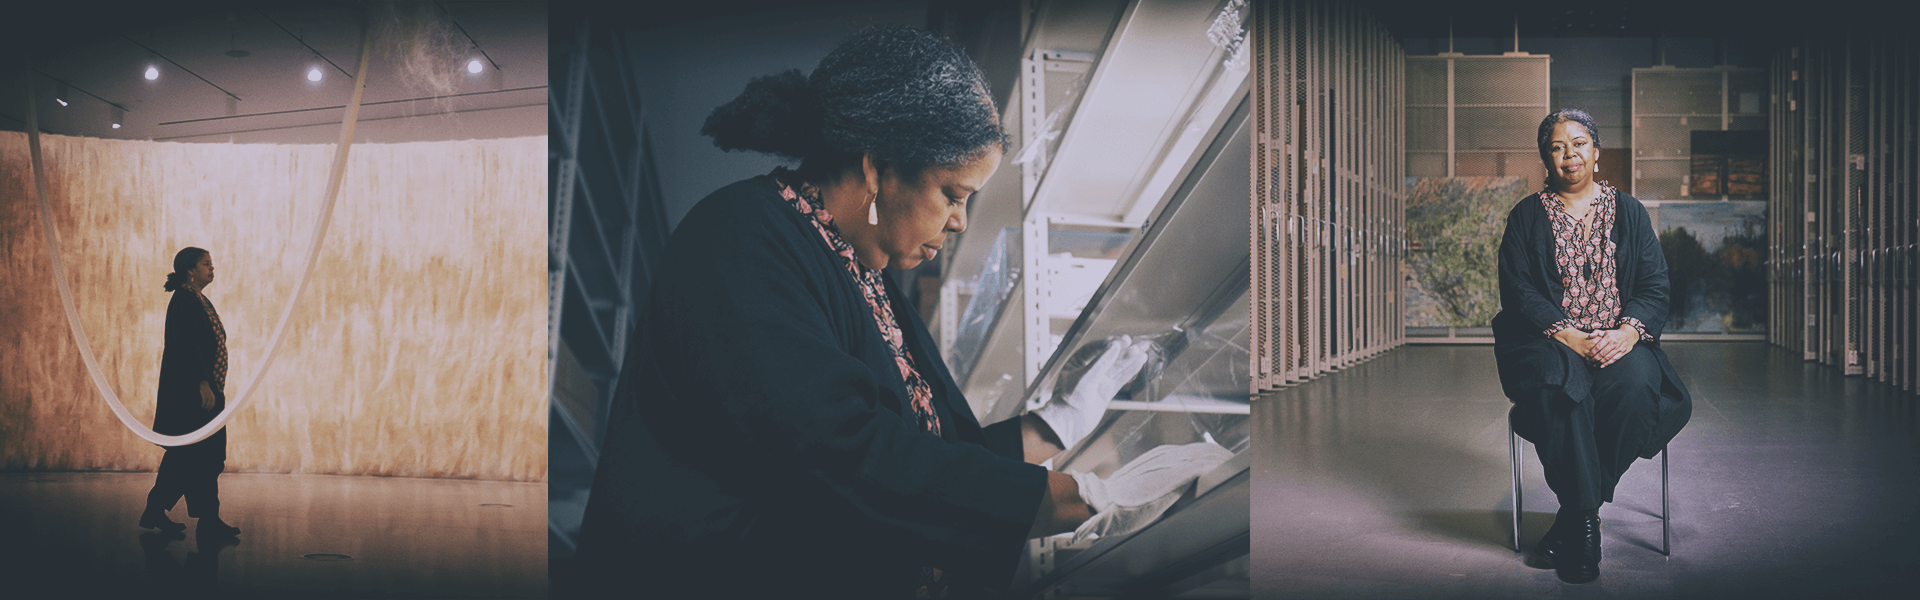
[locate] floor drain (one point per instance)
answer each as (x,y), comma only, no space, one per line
(326,557)
(496,506)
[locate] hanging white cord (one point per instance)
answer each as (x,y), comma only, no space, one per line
(319,233)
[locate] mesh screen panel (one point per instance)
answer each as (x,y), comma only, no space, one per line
(1330,176)
(1660,179)
(1668,136)
(1497,104)
(1498,128)
(1426,81)
(1500,81)
(1677,92)
(1426,164)
(1427,130)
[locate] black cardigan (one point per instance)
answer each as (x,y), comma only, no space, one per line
(756,441)
(187,361)
(1531,362)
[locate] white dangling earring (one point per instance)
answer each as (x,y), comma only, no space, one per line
(873,212)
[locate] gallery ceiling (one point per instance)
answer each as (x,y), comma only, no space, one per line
(249,71)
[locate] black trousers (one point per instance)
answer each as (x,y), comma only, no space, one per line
(1586,444)
(192,471)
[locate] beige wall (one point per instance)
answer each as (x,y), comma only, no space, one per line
(419,348)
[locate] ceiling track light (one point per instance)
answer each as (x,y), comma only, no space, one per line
(317,56)
(62,91)
(153,69)
(119,116)
(473,65)
(314,73)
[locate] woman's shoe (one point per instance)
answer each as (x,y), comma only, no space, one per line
(157,519)
(1573,549)
(214,527)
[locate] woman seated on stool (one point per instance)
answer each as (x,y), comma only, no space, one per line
(1583,296)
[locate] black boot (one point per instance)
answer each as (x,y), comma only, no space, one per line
(154,518)
(1572,547)
(213,527)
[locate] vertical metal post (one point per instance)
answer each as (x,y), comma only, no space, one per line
(1257,217)
(1311,150)
(1450,124)
(1289,192)
(1033,119)
(1851,193)
(1804,216)
(1513,457)
(1666,507)
(1035,292)
(561,219)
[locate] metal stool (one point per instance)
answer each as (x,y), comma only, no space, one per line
(1666,523)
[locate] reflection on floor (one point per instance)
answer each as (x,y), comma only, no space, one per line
(1390,480)
(74,535)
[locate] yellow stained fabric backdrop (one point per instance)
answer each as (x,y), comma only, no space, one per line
(419,349)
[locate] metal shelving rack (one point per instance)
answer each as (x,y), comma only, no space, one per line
(1183,275)
(1121,216)
(1474,116)
(1328,202)
(1104,140)
(605,232)
(1063,41)
(1844,223)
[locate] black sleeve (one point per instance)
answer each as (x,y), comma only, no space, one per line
(1650,284)
(190,344)
(755,338)
(1005,439)
(1518,292)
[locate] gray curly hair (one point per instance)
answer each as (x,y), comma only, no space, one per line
(1561,116)
(906,96)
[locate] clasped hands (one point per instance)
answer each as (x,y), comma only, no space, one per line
(1602,347)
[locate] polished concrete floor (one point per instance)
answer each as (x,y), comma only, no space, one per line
(74,535)
(1391,480)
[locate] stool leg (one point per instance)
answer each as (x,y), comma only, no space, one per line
(1513,455)
(1666,509)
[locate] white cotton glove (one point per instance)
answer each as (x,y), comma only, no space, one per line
(1136,494)
(1074,416)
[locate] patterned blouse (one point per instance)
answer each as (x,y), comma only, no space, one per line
(219,381)
(1587,266)
(805,198)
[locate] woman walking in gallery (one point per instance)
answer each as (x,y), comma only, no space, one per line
(193,374)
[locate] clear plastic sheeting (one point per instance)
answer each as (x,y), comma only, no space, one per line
(1192,389)
(1077,263)
(1063,80)
(1094,375)
(1138,493)
(999,274)
(1160,149)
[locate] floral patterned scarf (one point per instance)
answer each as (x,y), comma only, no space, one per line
(805,198)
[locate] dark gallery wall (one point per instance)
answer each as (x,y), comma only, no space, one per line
(688,63)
